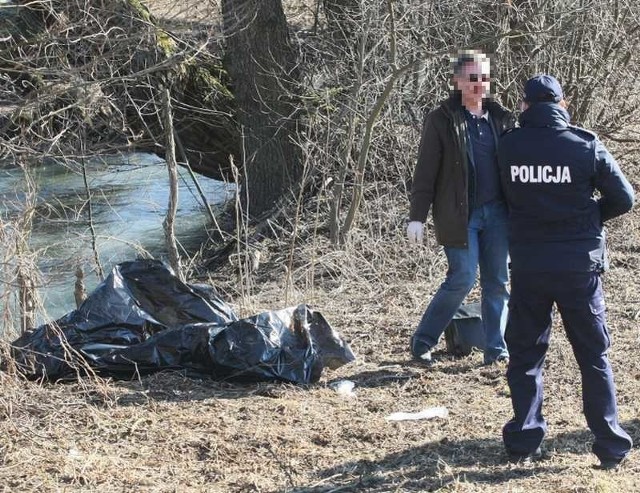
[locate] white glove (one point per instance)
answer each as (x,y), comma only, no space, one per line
(415,232)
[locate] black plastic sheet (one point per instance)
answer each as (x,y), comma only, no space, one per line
(465,332)
(143,319)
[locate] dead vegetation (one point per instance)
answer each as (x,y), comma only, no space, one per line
(169,433)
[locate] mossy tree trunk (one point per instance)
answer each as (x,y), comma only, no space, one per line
(261,62)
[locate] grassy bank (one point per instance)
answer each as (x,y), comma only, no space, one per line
(170,433)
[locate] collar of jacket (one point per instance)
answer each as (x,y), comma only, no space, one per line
(545,115)
(453,106)
(454,111)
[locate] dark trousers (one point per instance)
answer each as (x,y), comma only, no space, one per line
(580,301)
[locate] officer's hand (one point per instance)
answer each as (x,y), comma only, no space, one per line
(415,232)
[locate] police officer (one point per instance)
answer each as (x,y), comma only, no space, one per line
(549,171)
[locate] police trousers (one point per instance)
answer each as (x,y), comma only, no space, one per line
(580,301)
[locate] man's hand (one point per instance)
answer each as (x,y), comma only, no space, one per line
(415,232)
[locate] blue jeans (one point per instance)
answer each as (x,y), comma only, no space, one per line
(487,248)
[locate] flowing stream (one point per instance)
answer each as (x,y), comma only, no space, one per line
(129,200)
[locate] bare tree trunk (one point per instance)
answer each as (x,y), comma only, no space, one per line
(262,64)
(169,220)
(25,269)
(79,292)
(92,229)
(26,290)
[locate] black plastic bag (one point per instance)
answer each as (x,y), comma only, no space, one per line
(465,331)
(143,319)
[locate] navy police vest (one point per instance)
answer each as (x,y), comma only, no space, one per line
(548,172)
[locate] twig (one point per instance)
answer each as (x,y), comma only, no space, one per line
(169,220)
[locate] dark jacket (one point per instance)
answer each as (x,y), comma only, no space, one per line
(441,177)
(550,171)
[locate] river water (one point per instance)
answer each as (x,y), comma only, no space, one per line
(129,202)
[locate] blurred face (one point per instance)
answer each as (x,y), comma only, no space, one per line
(474,82)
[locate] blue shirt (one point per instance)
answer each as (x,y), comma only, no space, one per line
(484,177)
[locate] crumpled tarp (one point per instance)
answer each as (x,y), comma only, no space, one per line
(143,319)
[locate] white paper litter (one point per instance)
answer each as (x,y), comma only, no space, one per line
(344,387)
(429,413)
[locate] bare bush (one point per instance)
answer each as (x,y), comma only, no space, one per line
(87,75)
(80,79)
(592,47)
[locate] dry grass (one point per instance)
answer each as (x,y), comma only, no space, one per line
(170,433)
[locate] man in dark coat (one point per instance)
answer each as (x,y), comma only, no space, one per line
(457,177)
(550,171)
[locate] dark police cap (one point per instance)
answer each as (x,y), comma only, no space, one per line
(542,89)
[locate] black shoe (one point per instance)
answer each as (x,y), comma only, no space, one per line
(421,354)
(610,464)
(501,360)
(424,358)
(525,458)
